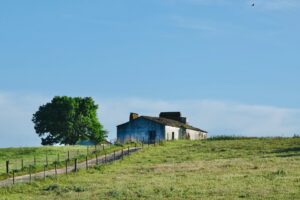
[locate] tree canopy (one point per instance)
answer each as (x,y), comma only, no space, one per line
(67,120)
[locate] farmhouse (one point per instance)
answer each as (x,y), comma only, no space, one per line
(168,126)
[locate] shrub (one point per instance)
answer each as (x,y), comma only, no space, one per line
(296,136)
(227,137)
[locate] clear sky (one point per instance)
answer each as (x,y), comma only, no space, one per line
(228,66)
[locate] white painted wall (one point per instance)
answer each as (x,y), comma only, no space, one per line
(180,134)
(169,130)
(195,135)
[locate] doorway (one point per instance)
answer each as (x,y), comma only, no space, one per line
(152,136)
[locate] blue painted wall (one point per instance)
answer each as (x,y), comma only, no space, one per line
(138,129)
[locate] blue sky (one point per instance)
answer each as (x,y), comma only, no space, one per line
(228,66)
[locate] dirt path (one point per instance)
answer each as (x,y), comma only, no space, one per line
(101,159)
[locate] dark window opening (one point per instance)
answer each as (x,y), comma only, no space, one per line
(173,136)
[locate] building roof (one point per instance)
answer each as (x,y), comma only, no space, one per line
(168,122)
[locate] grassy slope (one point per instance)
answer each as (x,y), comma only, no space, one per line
(15,155)
(217,169)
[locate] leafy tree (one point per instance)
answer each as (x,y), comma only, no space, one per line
(66,120)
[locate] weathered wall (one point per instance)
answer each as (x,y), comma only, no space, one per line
(195,135)
(169,130)
(138,129)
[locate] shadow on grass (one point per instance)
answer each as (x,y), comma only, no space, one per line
(286,150)
(288,155)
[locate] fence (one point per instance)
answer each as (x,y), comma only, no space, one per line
(70,162)
(54,159)
(39,160)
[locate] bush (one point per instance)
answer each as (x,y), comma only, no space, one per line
(227,137)
(296,136)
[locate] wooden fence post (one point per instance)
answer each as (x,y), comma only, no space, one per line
(34,160)
(13,176)
(55,167)
(22,164)
(96,159)
(66,167)
(29,173)
(128,151)
(75,165)
(122,153)
(44,172)
(86,163)
(7,167)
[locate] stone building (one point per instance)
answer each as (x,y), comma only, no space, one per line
(168,126)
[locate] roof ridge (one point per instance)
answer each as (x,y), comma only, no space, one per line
(179,124)
(167,122)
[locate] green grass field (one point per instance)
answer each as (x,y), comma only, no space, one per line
(28,154)
(38,157)
(266,168)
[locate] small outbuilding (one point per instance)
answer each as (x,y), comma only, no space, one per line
(168,126)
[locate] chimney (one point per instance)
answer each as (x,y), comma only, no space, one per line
(183,120)
(174,116)
(133,116)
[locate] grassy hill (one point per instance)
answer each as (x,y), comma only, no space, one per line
(38,157)
(29,154)
(266,168)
